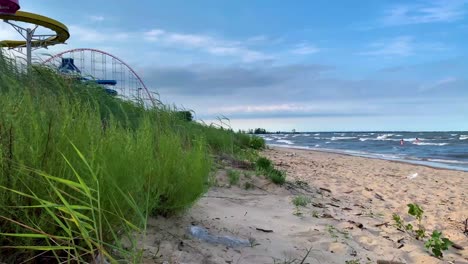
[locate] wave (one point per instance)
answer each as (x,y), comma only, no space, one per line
(429,144)
(384,136)
(268,138)
(285,141)
(463,137)
(342,138)
(448,161)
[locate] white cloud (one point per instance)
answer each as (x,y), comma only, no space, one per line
(209,44)
(7,32)
(399,46)
(438,84)
(435,11)
(96,18)
(304,49)
(85,34)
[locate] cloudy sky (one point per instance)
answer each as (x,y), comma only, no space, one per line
(282,65)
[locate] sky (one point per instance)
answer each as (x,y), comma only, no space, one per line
(317,65)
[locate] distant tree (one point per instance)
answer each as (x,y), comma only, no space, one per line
(185,115)
(260,131)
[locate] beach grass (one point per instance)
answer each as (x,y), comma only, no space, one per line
(81,170)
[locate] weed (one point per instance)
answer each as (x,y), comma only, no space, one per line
(398,221)
(257,142)
(277,176)
(264,164)
(297,211)
(249,185)
(333,232)
(315,214)
(301,200)
(354,261)
(253,242)
(437,244)
(234,177)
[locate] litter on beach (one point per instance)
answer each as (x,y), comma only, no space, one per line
(412,176)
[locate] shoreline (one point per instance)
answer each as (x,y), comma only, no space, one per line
(428,164)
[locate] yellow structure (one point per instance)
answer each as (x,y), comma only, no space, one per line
(31,40)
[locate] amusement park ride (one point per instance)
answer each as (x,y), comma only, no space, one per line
(86,65)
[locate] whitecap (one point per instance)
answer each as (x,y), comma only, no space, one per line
(384,136)
(429,144)
(285,141)
(463,137)
(342,138)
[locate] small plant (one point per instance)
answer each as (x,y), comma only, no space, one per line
(297,211)
(248,175)
(234,177)
(332,231)
(354,261)
(438,244)
(315,214)
(248,185)
(264,164)
(435,242)
(253,242)
(398,221)
(301,200)
(277,176)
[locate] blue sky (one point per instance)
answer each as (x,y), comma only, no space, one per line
(282,65)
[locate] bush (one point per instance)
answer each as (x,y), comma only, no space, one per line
(301,200)
(264,164)
(257,142)
(234,177)
(277,176)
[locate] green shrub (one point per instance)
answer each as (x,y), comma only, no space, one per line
(264,164)
(257,142)
(301,200)
(277,176)
(234,177)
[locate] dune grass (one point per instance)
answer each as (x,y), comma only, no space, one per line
(81,170)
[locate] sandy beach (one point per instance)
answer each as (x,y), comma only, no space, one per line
(349,217)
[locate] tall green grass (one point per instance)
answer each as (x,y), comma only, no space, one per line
(80,170)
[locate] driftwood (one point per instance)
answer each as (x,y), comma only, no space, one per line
(382,224)
(466,227)
(325,189)
(318,205)
(456,246)
(388,262)
(378,196)
(356,224)
(264,230)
